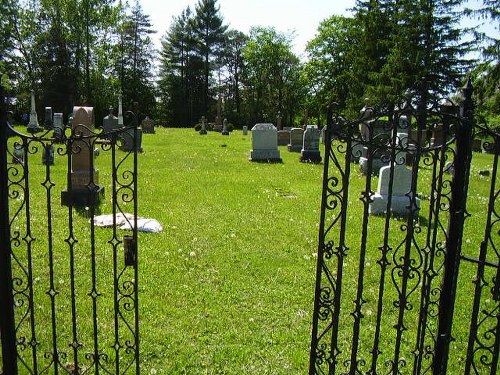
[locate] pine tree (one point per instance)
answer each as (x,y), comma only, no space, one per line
(210,31)
(137,60)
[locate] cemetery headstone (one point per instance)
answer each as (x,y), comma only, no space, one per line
(109,123)
(48,155)
(401,194)
(58,126)
(296,140)
(477,145)
(203,129)
(49,120)
(129,143)
(438,135)
(310,148)
(245,130)
(265,143)
(224,127)
(283,137)
(148,126)
(83,190)
(33,126)
(218,117)
(375,135)
(120,111)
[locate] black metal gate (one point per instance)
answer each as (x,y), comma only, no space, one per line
(69,290)
(408,275)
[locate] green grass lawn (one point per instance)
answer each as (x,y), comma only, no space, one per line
(228,286)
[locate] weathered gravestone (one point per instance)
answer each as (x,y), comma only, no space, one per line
(283,137)
(148,126)
(58,126)
(110,123)
(296,139)
(218,117)
(225,131)
(33,126)
(245,130)
(49,120)
(310,148)
(265,143)
(203,130)
(83,189)
(401,194)
(131,137)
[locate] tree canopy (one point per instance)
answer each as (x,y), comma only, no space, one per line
(88,52)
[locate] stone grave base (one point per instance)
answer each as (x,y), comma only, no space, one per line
(399,204)
(273,156)
(82,197)
(310,156)
(225,132)
(217,128)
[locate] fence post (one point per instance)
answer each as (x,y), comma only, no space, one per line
(455,230)
(7,324)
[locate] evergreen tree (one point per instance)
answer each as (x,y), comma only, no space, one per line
(181,73)
(210,34)
(137,60)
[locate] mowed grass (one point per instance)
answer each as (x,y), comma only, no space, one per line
(228,286)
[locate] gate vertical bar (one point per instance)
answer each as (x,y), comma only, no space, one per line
(7,324)
(455,231)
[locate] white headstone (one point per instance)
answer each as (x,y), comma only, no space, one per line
(265,143)
(401,194)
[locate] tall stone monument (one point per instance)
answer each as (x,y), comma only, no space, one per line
(33,126)
(218,117)
(83,189)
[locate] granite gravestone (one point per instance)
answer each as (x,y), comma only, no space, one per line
(148,126)
(225,131)
(296,140)
(218,117)
(83,189)
(109,124)
(265,143)
(283,137)
(58,126)
(310,146)
(203,130)
(401,195)
(49,119)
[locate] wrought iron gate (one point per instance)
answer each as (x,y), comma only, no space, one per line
(408,282)
(69,290)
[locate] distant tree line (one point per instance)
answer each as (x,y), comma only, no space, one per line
(73,52)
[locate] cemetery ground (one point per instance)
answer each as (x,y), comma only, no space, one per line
(228,286)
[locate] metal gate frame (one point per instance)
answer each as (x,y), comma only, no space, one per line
(67,349)
(421,278)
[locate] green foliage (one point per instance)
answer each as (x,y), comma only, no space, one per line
(271,76)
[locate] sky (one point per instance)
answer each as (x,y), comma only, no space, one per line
(302,17)
(298,16)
